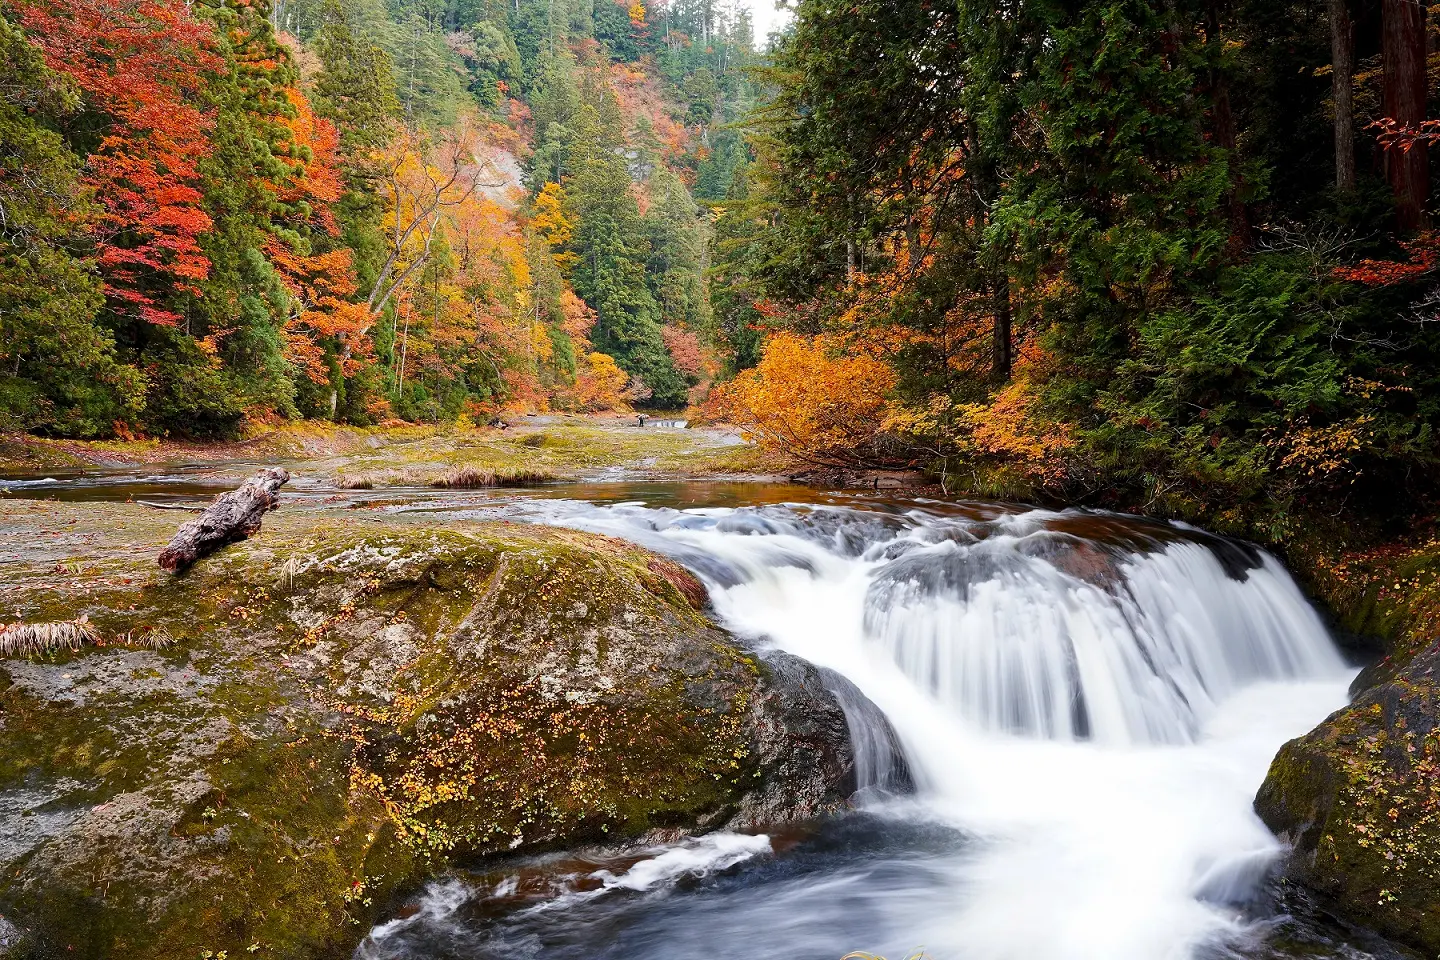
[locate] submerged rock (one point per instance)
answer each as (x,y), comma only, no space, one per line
(347,709)
(1358,799)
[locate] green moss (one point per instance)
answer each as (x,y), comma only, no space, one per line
(19,452)
(477,762)
(1388,592)
(347,704)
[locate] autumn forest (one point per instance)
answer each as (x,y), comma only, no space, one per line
(584,479)
(1170,257)
(231,213)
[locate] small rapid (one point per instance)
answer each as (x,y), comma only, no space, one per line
(1085,703)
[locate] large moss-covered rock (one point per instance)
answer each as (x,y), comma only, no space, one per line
(1358,798)
(349,703)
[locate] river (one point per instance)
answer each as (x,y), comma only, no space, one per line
(1077,711)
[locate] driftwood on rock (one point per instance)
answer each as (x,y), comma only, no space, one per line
(233,516)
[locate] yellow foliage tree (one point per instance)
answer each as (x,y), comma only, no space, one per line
(1006,431)
(811,400)
(600,384)
(551,222)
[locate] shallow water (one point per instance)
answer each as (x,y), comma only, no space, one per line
(1086,703)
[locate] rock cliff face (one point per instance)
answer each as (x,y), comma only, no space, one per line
(347,707)
(1358,798)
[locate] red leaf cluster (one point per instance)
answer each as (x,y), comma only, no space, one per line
(1424,253)
(140,65)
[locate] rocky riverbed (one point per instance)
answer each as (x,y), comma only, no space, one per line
(278,748)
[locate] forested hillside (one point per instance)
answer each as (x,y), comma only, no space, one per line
(222,213)
(1016,282)
(1171,257)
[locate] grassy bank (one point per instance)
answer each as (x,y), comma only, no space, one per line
(553,446)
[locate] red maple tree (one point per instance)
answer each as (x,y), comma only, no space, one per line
(140,65)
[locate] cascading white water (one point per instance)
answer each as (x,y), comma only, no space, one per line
(1100,712)
(1091,700)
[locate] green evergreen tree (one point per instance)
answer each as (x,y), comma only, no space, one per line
(612,248)
(679,240)
(59,372)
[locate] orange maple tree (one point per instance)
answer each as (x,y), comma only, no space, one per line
(600,384)
(323,287)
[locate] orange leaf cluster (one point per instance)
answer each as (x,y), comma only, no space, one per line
(641,95)
(578,320)
(315,181)
(1424,253)
(690,356)
(600,385)
(323,286)
(811,400)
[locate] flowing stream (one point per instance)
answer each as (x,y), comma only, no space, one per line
(1086,704)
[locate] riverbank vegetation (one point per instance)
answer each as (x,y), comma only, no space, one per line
(1172,258)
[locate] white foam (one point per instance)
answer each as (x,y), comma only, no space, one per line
(697,856)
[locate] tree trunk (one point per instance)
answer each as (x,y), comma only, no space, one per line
(1403,49)
(1224,118)
(1342,71)
(234,516)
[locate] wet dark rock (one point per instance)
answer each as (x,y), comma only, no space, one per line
(848,532)
(9,936)
(1358,799)
(1289,922)
(841,479)
(944,570)
(1082,559)
(804,762)
(879,757)
(1236,556)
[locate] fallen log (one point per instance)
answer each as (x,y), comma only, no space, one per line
(234,516)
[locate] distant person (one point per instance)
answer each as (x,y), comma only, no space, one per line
(642,419)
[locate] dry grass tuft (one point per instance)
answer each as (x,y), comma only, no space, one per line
(288,570)
(31,639)
(153,638)
(359,481)
(476,478)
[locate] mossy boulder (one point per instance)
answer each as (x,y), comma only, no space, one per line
(1358,800)
(350,704)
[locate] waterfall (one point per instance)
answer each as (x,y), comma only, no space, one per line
(1057,626)
(1089,700)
